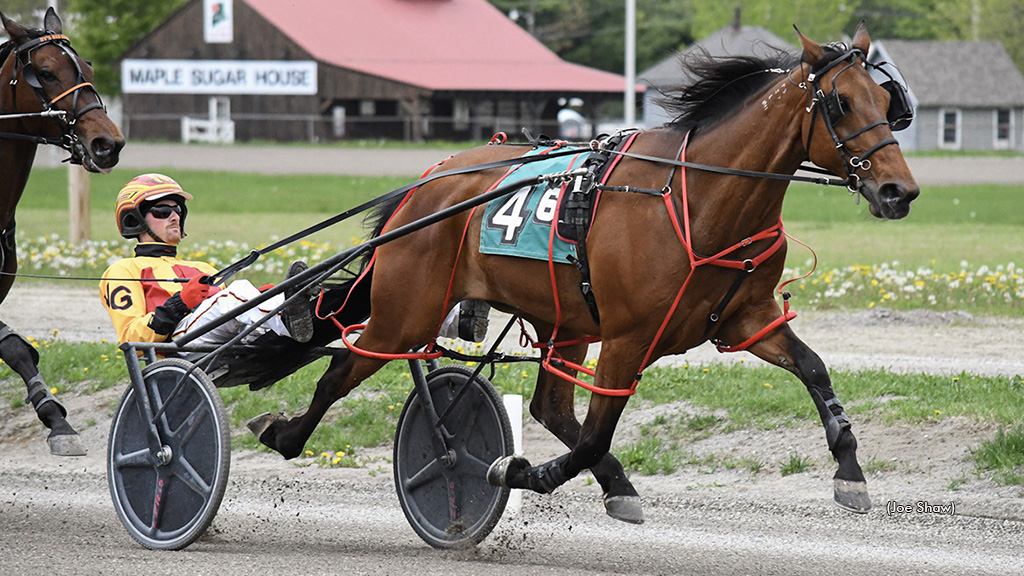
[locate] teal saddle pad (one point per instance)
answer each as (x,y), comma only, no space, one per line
(519,224)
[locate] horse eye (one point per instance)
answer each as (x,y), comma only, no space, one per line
(47,75)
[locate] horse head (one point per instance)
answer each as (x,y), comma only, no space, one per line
(849,124)
(55,81)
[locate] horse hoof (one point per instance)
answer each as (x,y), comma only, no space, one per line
(66,445)
(498,472)
(625,508)
(261,423)
(852,496)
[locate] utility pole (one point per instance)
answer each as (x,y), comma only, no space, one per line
(79,191)
(630,95)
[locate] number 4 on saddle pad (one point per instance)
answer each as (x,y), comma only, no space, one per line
(520,224)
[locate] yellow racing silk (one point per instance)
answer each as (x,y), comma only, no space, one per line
(133,287)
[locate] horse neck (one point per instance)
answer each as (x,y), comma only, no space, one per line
(16,156)
(764,136)
(15,164)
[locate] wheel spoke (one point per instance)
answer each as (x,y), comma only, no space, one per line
(428,473)
(188,428)
(138,459)
(159,502)
(467,423)
(184,471)
(471,465)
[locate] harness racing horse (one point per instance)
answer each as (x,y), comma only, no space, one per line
(670,265)
(46,97)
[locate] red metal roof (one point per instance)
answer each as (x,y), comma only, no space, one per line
(434,44)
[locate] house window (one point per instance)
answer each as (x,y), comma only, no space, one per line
(1003,128)
(949,129)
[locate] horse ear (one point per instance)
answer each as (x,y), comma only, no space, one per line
(812,50)
(16,31)
(861,40)
(51,22)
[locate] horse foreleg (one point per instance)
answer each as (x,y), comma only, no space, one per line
(783,348)
(23,359)
(552,406)
(289,436)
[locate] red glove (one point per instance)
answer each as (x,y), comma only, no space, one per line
(197,290)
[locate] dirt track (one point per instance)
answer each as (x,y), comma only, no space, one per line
(280,518)
(56,516)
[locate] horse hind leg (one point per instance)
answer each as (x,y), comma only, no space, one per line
(552,406)
(595,435)
(289,436)
(23,359)
(783,348)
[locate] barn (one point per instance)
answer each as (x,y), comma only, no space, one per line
(322,70)
(959,103)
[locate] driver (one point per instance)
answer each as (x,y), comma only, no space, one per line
(144,302)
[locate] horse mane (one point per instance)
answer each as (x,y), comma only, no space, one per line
(720,84)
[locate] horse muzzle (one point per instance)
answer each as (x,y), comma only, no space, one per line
(101,154)
(890,201)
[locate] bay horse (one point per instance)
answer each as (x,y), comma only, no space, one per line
(677,258)
(47,98)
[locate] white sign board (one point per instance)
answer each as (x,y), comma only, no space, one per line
(269,77)
(218,21)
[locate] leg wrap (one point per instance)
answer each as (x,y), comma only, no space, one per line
(39,394)
(548,476)
(6,331)
(838,422)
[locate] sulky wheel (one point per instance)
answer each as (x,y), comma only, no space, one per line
(444,492)
(167,491)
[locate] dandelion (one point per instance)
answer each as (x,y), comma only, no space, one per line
(768,385)
(309,452)
(53,390)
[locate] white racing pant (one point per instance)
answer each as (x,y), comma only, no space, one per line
(224,303)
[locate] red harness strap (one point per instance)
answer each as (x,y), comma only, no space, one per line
(552,362)
(430,354)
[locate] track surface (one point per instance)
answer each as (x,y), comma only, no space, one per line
(56,516)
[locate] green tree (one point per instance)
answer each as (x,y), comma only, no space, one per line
(105,29)
(592,32)
(30,12)
(820,20)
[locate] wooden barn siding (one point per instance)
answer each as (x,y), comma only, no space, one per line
(181,37)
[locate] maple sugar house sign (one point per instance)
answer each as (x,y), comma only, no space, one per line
(268,77)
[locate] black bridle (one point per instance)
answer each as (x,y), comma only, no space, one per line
(64,120)
(831,107)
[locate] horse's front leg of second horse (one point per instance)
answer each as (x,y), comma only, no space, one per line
(783,348)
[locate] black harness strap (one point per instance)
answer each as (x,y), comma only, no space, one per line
(235,267)
(579,209)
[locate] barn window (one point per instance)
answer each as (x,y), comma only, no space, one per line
(1003,128)
(949,129)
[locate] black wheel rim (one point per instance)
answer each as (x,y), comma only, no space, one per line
(167,505)
(446,496)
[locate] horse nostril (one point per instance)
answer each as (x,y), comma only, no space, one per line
(104,147)
(891,193)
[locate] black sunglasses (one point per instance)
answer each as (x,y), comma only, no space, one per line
(163,211)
